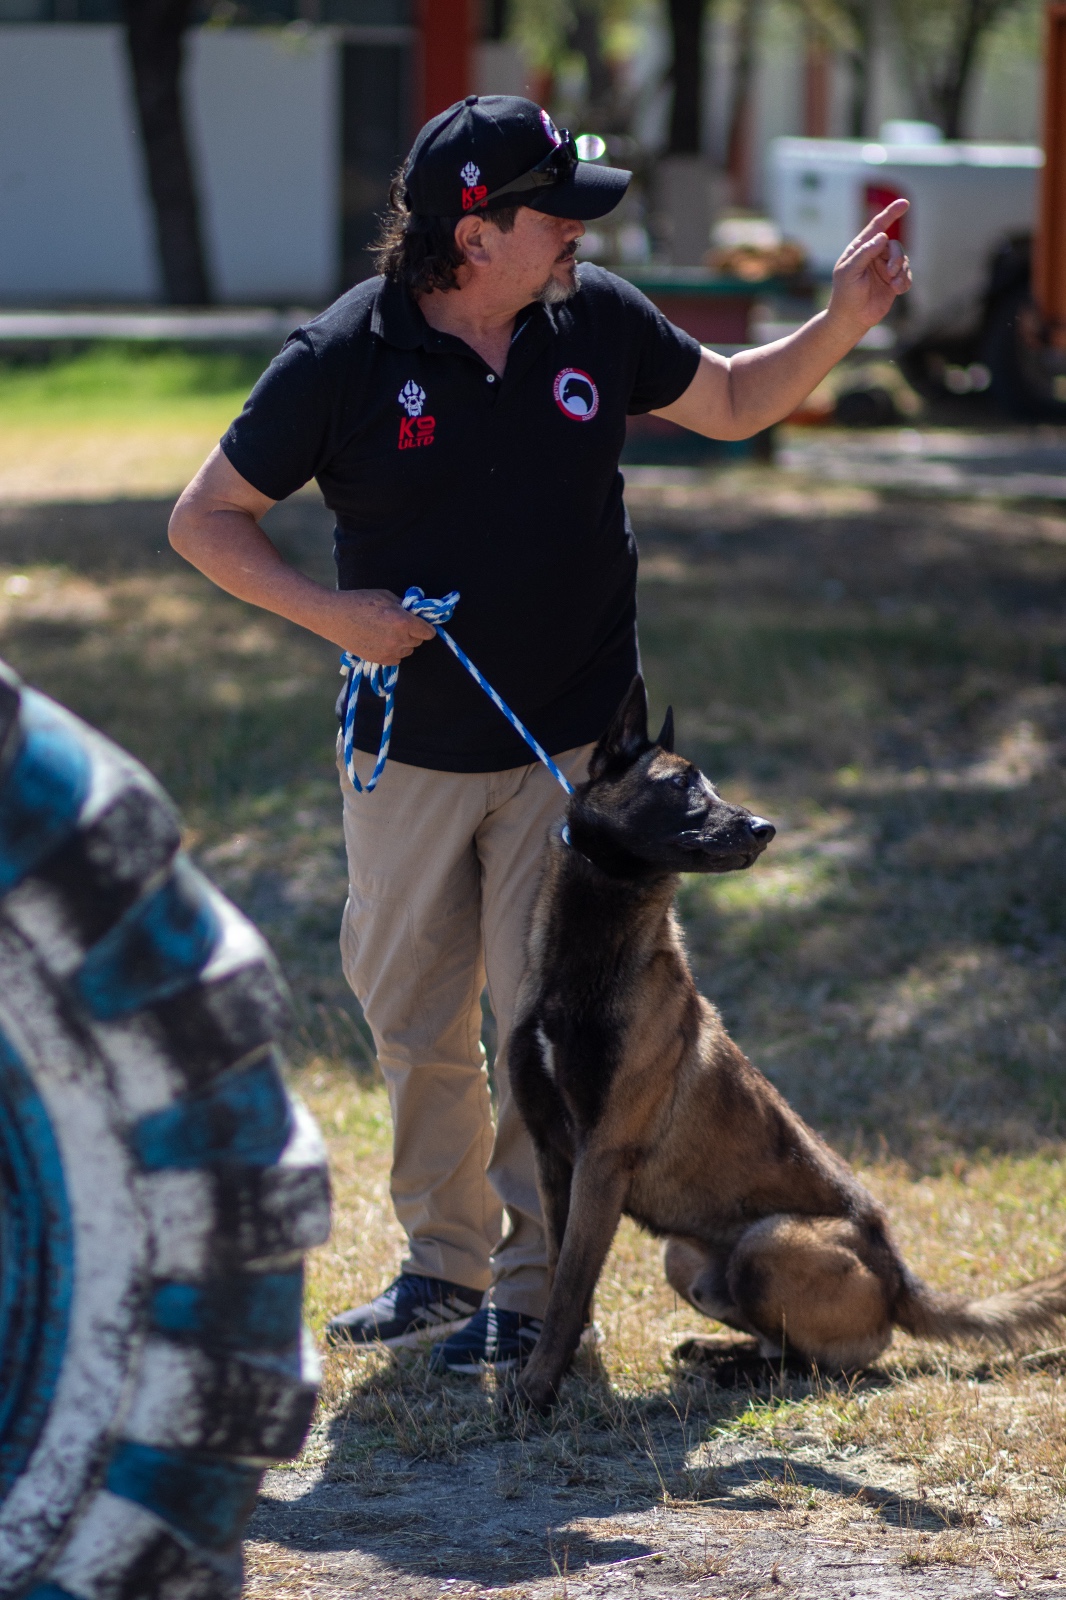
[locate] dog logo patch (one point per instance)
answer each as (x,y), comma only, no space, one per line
(413,398)
(415,429)
(474,191)
(576,395)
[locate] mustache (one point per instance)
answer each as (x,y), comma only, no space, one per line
(568,252)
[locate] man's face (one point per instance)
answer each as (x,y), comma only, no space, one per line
(536,259)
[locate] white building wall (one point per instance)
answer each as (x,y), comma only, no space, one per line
(264,124)
(777,90)
(74,219)
(264,120)
(889,95)
(1007,101)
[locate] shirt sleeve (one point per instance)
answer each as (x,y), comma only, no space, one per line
(667,356)
(281,438)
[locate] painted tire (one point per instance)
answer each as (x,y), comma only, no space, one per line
(157,1188)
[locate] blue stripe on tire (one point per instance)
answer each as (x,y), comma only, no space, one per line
(36,1265)
(207,1500)
(42,792)
(157,949)
(244,1311)
(244,1118)
(49,1591)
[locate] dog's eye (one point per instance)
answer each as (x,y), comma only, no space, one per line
(680,780)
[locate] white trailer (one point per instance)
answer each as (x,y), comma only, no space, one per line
(968,231)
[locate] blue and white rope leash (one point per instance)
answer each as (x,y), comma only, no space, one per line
(383,682)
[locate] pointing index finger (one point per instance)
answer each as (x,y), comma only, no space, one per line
(884,219)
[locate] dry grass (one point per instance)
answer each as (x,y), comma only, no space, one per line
(888,682)
(114,421)
(84,461)
(967,1456)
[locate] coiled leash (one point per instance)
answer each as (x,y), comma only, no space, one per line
(383,682)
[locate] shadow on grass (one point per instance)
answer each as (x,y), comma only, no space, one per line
(890,688)
(525,1489)
(897,968)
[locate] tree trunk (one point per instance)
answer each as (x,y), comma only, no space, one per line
(941,75)
(973,22)
(155,32)
(496,27)
(586,37)
(860,58)
(740,101)
(857,98)
(686,72)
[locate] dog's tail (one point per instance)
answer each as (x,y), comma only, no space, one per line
(1002,1319)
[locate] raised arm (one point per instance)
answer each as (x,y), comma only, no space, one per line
(734,397)
(215,526)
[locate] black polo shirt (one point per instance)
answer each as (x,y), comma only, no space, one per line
(444,475)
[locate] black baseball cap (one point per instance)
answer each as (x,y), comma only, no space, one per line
(495,150)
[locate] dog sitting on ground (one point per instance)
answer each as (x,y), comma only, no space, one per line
(638,1101)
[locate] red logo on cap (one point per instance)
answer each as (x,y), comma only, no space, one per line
(474,191)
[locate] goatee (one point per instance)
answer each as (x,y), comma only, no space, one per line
(553,293)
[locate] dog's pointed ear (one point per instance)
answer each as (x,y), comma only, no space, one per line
(627,736)
(665,741)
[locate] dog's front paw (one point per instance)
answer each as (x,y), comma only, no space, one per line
(513,1405)
(531,1394)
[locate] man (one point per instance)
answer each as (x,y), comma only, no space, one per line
(463,416)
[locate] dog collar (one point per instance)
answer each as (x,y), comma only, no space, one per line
(564,835)
(566,839)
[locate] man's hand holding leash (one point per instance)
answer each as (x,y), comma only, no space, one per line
(215,525)
(383,630)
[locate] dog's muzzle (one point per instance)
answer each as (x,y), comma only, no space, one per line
(746,842)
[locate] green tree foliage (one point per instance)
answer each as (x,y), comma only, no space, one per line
(556,32)
(941,42)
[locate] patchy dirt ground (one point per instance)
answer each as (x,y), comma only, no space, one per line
(886,678)
(748,1519)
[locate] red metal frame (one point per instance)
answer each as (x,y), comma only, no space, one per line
(446,68)
(1049,246)
(817,87)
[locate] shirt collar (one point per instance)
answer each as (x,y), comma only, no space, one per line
(397,319)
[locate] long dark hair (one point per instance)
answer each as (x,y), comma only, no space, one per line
(421,252)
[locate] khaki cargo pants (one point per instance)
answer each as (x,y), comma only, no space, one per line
(442,870)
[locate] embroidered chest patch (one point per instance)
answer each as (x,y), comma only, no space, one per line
(416,429)
(576,395)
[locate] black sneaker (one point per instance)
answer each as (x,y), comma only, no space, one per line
(410,1311)
(492,1338)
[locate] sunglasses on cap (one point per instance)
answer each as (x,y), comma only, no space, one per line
(555,168)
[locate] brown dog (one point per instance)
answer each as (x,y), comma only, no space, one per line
(638,1101)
